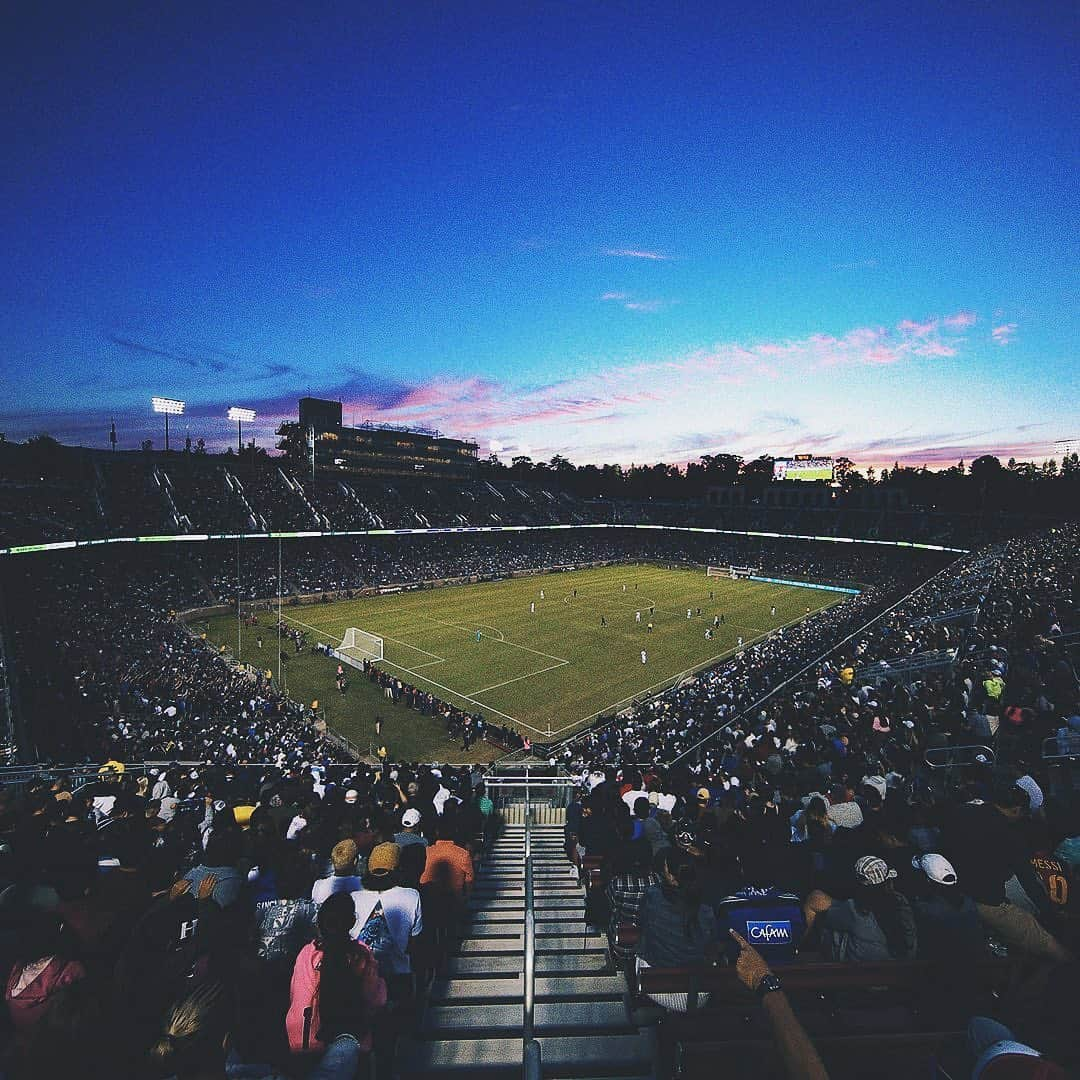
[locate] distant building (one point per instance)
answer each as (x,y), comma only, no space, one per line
(381,449)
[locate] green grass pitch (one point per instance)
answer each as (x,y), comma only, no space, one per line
(545,665)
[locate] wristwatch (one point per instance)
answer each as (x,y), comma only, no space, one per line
(768,984)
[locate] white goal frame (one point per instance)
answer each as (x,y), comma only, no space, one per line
(732,572)
(358,645)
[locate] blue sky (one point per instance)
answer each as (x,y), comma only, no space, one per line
(628,232)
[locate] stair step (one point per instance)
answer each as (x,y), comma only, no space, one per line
(561,927)
(546,964)
(480,1021)
(462,991)
(487,1057)
(599,1055)
(579,987)
(492,945)
(570,944)
(471,1021)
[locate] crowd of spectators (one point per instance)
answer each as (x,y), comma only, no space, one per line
(130,494)
(138,913)
(108,666)
(240,921)
(820,815)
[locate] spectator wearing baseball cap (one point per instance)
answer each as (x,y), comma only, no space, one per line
(344,857)
(946,919)
(410,829)
(876,924)
(388,916)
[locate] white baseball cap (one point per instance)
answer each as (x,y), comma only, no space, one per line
(936,867)
(410,818)
(352,795)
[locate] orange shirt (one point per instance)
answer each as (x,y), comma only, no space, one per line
(448,867)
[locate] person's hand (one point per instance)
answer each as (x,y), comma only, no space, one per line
(750,966)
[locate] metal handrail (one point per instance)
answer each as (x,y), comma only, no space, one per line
(530,1048)
(959,757)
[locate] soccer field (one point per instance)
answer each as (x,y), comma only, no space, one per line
(550,670)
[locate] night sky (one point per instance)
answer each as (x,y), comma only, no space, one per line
(619,232)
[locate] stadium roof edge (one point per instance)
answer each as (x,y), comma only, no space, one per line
(63,545)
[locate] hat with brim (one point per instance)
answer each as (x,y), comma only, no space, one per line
(384,859)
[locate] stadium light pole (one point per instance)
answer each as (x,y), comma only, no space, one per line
(168,407)
(241,416)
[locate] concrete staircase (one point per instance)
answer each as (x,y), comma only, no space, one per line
(473,1019)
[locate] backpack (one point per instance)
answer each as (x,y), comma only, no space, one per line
(375,933)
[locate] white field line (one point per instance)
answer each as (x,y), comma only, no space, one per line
(671,680)
(435,657)
(531,675)
(424,678)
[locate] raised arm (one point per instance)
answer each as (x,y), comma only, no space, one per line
(800,1058)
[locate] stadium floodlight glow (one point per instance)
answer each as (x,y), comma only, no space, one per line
(170,407)
(241,416)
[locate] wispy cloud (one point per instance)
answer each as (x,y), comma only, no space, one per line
(196,363)
(961,320)
(1004,333)
(632,304)
(638,253)
(861,264)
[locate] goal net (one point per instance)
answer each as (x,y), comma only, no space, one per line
(358,645)
(732,572)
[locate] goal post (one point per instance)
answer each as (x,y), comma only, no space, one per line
(358,645)
(731,572)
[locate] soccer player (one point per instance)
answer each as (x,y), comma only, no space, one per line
(689,613)
(715,621)
(644,660)
(479,635)
(532,608)
(648,628)
(740,643)
(603,621)
(772,611)
(541,594)
(637,616)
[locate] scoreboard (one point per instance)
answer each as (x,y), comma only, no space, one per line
(803,467)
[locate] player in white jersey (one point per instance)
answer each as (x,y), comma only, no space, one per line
(644,656)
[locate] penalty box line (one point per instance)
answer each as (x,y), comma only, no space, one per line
(432,682)
(435,657)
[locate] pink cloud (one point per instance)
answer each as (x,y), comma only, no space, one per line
(638,253)
(644,305)
(933,348)
(1004,333)
(917,329)
(961,320)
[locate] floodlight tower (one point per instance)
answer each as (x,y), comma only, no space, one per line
(169,407)
(241,416)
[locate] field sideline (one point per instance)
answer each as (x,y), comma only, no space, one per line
(550,670)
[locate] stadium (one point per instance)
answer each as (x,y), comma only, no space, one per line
(539,542)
